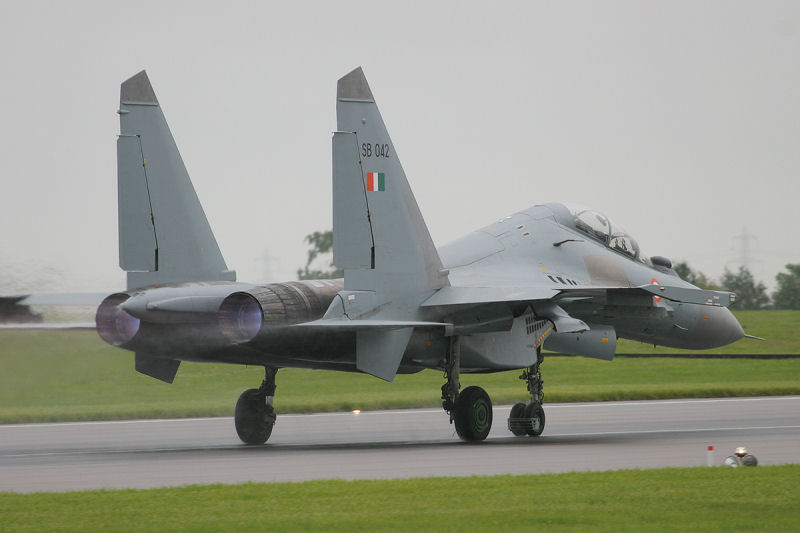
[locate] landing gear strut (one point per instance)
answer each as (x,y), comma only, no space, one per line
(254,414)
(471,409)
(528,418)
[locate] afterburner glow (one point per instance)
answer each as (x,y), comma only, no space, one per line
(240,317)
(114,325)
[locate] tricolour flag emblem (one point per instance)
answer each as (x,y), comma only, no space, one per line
(376,181)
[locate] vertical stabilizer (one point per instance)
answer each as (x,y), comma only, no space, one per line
(379,236)
(164,236)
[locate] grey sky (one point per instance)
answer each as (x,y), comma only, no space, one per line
(678,119)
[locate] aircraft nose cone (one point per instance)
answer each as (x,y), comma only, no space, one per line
(716,326)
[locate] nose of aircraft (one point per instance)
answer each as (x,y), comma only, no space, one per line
(716,326)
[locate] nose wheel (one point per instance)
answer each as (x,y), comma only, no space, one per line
(255,416)
(528,418)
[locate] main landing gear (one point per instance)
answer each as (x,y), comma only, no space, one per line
(528,418)
(471,409)
(254,414)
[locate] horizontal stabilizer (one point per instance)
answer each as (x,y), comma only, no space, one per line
(157,367)
(379,351)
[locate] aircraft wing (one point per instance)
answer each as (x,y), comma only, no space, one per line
(456,296)
(692,296)
(572,335)
(50,326)
(15,312)
(78,299)
(472,295)
(345,324)
(675,294)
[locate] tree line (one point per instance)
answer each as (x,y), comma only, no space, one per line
(750,294)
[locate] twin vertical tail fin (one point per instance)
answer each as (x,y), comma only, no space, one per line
(379,236)
(164,236)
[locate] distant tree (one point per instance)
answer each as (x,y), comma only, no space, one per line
(696,278)
(321,243)
(749,294)
(787,295)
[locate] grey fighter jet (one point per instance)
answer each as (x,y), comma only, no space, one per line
(557,276)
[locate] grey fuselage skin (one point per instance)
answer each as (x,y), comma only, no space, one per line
(516,250)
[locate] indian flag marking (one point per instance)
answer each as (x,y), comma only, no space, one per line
(376,181)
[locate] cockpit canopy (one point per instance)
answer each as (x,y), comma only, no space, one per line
(601,228)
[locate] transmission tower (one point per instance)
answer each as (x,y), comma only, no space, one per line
(745,243)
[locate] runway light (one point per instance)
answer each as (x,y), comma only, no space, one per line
(356,411)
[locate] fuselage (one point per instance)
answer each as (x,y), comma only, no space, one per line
(543,245)
(540,246)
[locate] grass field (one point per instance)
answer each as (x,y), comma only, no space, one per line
(686,499)
(73,375)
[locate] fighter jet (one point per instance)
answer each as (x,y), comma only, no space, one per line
(555,276)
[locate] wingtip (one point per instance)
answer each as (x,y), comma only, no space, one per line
(353,85)
(137,88)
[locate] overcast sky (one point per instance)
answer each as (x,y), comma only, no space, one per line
(680,120)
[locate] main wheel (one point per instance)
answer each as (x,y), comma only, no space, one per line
(517,412)
(535,412)
(254,420)
(473,414)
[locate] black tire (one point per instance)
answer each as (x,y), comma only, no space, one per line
(535,411)
(473,414)
(517,411)
(254,420)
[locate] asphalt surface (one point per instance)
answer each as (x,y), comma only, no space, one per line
(394,444)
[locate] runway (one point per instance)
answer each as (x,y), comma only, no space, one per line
(394,444)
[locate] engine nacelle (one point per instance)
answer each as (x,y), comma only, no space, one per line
(206,315)
(243,314)
(599,342)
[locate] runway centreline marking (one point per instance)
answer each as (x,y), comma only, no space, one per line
(381,443)
(677,401)
(562,405)
(650,431)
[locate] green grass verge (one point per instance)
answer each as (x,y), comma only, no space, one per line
(685,499)
(73,375)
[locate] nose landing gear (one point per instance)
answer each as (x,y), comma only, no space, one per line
(528,418)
